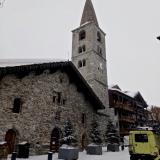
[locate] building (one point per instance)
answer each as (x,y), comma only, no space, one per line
(89,53)
(37,99)
(129,107)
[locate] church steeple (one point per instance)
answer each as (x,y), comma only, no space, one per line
(89,52)
(89,14)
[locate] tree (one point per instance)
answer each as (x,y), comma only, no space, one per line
(111,134)
(95,134)
(155,112)
(69,137)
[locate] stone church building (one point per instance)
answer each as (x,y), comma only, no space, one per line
(36,100)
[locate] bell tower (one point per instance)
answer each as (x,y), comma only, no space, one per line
(89,52)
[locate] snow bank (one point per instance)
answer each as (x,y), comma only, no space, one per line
(122,155)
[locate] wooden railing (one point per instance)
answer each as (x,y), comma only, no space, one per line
(127,119)
(124,106)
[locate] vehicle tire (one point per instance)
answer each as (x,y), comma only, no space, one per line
(133,158)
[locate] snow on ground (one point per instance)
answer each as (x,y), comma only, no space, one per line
(122,155)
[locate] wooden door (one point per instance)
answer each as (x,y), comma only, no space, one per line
(10,138)
(54,144)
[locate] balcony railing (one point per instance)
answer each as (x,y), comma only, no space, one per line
(127,119)
(123,106)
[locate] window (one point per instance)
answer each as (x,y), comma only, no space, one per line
(58,98)
(141,138)
(83,118)
(54,99)
(82,35)
(80,50)
(83,48)
(79,64)
(16,105)
(98,37)
(84,62)
(99,50)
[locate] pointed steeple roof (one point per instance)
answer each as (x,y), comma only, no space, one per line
(89,14)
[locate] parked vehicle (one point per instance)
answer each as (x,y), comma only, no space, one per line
(144,144)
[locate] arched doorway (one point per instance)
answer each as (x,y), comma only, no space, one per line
(55,137)
(84,141)
(10,138)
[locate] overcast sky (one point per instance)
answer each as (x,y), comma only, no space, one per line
(42,29)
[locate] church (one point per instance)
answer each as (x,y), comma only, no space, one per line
(37,99)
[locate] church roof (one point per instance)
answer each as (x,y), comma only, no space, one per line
(89,14)
(67,67)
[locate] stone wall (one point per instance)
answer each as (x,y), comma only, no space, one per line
(39,108)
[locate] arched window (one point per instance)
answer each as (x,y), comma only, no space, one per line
(80,50)
(83,48)
(98,37)
(84,62)
(79,64)
(82,35)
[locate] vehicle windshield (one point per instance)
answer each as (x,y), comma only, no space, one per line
(141,138)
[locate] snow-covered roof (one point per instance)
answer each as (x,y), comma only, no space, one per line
(114,86)
(131,93)
(19,62)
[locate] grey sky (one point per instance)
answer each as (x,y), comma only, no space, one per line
(41,29)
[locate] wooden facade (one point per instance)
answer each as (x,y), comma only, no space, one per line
(129,109)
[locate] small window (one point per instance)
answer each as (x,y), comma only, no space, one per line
(99,50)
(82,35)
(54,99)
(84,62)
(59,98)
(79,64)
(80,50)
(83,118)
(83,48)
(64,101)
(98,37)
(141,138)
(17,105)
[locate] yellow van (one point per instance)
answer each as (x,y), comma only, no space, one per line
(144,144)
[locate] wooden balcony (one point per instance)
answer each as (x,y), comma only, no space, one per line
(127,119)
(122,106)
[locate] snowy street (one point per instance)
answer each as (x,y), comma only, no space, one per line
(122,155)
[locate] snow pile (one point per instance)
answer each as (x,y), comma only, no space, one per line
(83,156)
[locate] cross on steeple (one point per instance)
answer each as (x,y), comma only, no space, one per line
(89,14)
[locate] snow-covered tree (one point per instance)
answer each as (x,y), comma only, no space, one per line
(69,137)
(95,134)
(111,134)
